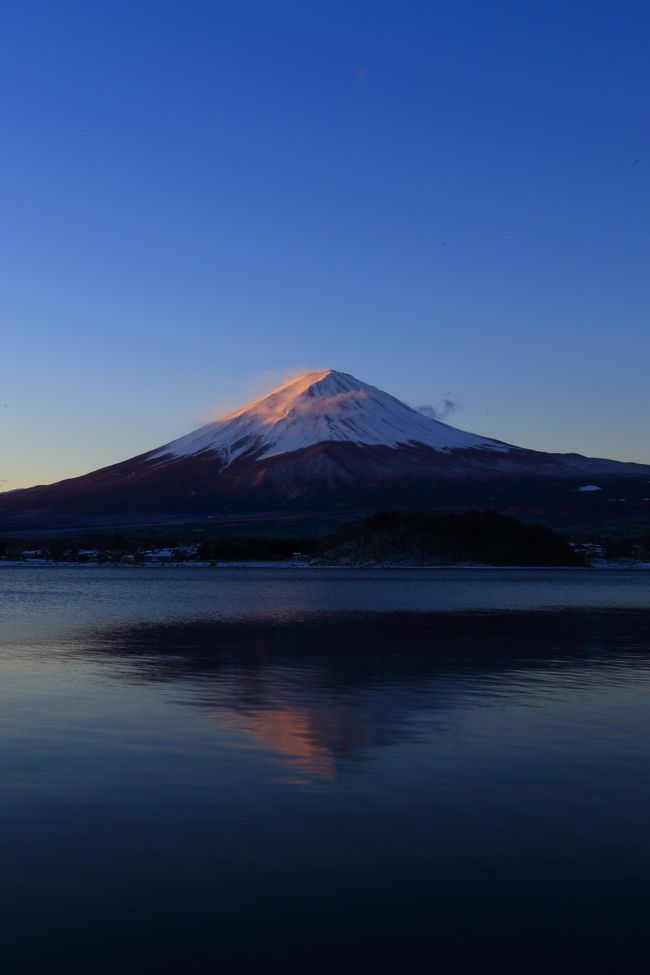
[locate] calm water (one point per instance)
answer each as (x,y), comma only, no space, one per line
(254,770)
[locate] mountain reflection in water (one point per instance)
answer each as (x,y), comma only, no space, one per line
(319,695)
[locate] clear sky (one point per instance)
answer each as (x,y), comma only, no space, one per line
(447,199)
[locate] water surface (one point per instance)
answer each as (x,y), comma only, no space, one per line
(234,770)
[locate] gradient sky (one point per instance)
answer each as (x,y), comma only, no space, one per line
(443,198)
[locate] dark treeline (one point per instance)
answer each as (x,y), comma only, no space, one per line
(628,547)
(389,536)
(258,548)
(120,548)
(473,536)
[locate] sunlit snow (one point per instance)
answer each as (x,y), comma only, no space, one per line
(317,407)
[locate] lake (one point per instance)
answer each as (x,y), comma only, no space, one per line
(223,770)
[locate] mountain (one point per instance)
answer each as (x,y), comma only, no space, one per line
(324,442)
(319,407)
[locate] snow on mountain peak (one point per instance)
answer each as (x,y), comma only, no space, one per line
(321,406)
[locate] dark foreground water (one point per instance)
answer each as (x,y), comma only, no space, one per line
(250,770)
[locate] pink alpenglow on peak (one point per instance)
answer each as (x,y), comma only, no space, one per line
(317,407)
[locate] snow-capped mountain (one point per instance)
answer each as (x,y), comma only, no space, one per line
(318,407)
(324,441)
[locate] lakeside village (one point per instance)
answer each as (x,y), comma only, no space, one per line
(395,538)
(592,555)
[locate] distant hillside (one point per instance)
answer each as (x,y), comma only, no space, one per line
(421,538)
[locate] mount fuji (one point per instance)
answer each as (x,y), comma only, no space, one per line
(319,407)
(324,441)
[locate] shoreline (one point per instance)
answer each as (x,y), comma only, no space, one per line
(164,564)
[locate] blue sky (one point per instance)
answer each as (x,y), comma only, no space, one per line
(198,199)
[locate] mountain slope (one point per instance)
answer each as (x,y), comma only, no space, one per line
(319,407)
(323,442)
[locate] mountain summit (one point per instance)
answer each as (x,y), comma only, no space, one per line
(320,407)
(324,442)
